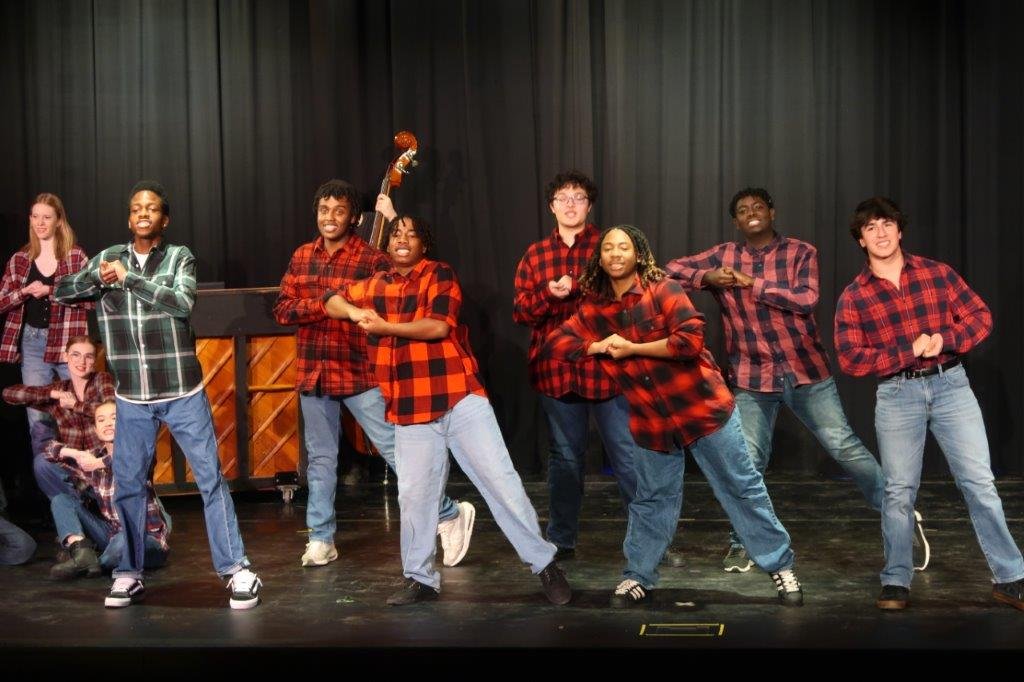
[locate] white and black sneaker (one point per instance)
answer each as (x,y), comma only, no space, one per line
(921,542)
(124,592)
(628,593)
(245,589)
(788,587)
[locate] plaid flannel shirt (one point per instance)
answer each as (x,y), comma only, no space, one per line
(150,344)
(876,323)
(672,402)
(74,425)
(420,380)
(534,306)
(770,331)
(101,483)
(329,352)
(66,319)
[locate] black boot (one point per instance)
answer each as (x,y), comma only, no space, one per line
(83,562)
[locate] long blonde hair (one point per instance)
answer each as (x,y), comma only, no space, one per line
(63,235)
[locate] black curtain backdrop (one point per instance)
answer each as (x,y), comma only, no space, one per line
(243,108)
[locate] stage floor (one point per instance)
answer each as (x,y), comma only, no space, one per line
(493,601)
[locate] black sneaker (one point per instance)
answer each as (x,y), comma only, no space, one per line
(81,561)
(788,587)
(564,553)
(124,592)
(893,598)
(245,589)
(673,558)
(1010,593)
(556,587)
(411,593)
(921,543)
(629,593)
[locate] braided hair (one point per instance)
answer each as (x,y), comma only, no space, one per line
(595,280)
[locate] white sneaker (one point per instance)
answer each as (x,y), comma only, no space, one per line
(456,533)
(245,589)
(124,592)
(921,541)
(319,553)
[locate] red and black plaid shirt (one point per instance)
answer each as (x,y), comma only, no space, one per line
(101,484)
(74,425)
(546,260)
(331,352)
(672,402)
(66,319)
(876,323)
(770,332)
(420,380)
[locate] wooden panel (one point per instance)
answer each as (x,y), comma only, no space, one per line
(216,355)
(273,406)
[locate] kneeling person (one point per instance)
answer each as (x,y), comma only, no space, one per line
(83,531)
(435,398)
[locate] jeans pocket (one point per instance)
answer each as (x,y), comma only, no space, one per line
(956,377)
(888,389)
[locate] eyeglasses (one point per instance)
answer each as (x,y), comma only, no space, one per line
(566,199)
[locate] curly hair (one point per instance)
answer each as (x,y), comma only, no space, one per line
(759,192)
(873,208)
(571,178)
(595,280)
(422,227)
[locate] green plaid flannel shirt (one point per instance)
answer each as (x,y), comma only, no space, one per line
(144,322)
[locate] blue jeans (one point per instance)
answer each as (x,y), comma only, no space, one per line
(737,485)
(568,427)
(16,546)
(35,371)
(818,407)
(471,431)
(321,417)
(191,425)
(72,518)
(904,410)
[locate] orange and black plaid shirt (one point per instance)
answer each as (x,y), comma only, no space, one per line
(420,380)
(672,401)
(331,353)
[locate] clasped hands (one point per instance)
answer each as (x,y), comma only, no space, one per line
(112,271)
(928,345)
(613,345)
(726,277)
(369,321)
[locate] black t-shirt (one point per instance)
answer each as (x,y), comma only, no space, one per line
(37,310)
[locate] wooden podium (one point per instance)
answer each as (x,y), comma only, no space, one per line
(249,372)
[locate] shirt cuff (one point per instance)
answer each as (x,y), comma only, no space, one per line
(759,286)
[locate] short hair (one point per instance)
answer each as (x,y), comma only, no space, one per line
(595,280)
(81,338)
(339,189)
(63,235)
(421,226)
(572,178)
(759,192)
(872,209)
(154,187)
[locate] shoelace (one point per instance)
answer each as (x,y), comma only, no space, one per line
(549,574)
(786,581)
(630,586)
(243,581)
(122,584)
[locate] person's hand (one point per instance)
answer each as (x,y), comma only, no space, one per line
(562,287)
(934,346)
(90,462)
(743,280)
(372,323)
(385,207)
(921,343)
(618,347)
(721,278)
(36,290)
(66,399)
(108,275)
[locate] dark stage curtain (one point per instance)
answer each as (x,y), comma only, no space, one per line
(242,108)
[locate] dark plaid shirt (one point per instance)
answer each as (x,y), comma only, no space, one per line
(546,260)
(66,319)
(672,402)
(876,323)
(330,352)
(74,425)
(144,322)
(101,484)
(770,332)
(420,380)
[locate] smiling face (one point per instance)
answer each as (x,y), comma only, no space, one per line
(105,420)
(334,218)
(618,256)
(881,238)
(81,359)
(146,217)
(753,218)
(43,221)
(405,246)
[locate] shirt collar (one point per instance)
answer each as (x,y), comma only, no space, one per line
(417,271)
(866,275)
(589,231)
(773,244)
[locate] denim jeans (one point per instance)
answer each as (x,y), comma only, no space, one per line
(568,427)
(35,371)
(16,546)
(72,518)
(191,425)
(471,431)
(818,407)
(737,485)
(321,417)
(904,410)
